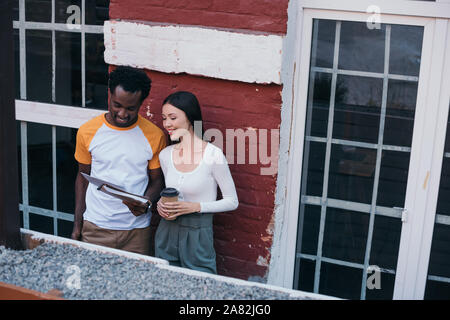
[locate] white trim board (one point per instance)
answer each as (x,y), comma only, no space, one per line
(252,58)
(438,9)
(416,237)
(53,114)
(93,247)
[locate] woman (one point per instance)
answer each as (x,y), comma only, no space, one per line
(195,168)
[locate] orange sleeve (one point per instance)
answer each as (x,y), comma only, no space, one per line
(82,154)
(84,137)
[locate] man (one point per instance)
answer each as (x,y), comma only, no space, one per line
(120,147)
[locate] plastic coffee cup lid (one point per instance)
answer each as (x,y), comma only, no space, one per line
(169,192)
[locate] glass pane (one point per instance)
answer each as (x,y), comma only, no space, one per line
(340,281)
(38,10)
(437,290)
(39,65)
(320,104)
(306,275)
(401,106)
(17,63)
(406,49)
(357,108)
(21,219)
(40,184)
(19,160)
(68,68)
(443,205)
(385,242)
(65,228)
(68,11)
(323,51)
(311,223)
(439,265)
(96,73)
(345,235)
(316,166)
(16,10)
(386,290)
(66,167)
(440,251)
(97,12)
(393,179)
(361,48)
(41,223)
(447,138)
(351,173)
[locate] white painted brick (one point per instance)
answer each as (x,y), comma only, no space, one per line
(194,50)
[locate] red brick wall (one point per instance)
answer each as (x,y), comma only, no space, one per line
(257,15)
(243,238)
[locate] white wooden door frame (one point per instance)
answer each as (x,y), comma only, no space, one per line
(419,166)
(417,234)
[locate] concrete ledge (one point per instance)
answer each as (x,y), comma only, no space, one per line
(32,239)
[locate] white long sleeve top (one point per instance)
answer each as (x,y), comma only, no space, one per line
(200,185)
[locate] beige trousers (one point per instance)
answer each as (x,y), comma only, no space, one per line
(135,240)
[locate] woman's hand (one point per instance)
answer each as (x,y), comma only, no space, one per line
(162,210)
(171,210)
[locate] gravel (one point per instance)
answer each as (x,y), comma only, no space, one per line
(88,275)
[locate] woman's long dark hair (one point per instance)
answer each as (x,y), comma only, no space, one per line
(188,103)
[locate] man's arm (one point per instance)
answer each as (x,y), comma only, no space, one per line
(81,185)
(154,187)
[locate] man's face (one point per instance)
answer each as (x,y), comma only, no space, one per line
(124,107)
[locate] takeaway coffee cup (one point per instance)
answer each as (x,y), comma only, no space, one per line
(169,195)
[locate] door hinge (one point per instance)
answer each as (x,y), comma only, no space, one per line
(404,213)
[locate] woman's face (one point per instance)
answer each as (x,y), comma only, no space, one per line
(175,122)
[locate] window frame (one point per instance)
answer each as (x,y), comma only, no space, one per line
(49,113)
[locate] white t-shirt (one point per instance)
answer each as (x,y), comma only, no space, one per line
(200,185)
(120,156)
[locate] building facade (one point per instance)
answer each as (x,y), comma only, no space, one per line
(332,114)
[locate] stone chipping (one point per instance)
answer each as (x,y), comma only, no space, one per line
(83,274)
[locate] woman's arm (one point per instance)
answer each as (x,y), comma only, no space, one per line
(222,175)
(221,172)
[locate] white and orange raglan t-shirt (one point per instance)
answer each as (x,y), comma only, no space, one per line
(120,156)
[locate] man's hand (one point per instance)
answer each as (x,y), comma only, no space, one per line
(76,233)
(135,208)
(81,185)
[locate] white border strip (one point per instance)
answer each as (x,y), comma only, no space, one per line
(60,240)
(438,9)
(195,50)
(164,264)
(54,114)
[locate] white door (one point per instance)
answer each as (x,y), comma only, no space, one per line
(368,128)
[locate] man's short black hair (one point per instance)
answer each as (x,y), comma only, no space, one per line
(131,80)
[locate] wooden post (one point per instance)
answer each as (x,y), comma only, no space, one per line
(9,201)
